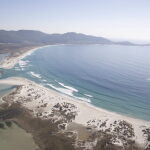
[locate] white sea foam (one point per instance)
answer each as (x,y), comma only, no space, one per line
(17,68)
(69,92)
(88,95)
(44,80)
(68,87)
(35,74)
(83,99)
(23,64)
(62,90)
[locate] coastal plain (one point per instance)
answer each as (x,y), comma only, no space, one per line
(71,115)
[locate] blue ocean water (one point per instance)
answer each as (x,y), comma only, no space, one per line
(116,78)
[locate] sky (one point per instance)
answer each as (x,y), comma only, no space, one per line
(114,19)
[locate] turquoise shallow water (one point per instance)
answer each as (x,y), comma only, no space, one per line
(4,89)
(116,78)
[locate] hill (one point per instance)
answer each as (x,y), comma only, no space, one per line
(37,37)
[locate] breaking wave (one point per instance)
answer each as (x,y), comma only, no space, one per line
(23,64)
(68,87)
(62,90)
(35,75)
(69,92)
(88,95)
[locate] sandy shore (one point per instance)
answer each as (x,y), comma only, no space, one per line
(11,61)
(42,100)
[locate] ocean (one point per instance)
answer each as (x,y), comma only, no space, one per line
(113,77)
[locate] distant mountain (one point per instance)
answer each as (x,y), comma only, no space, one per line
(37,37)
(125,43)
(22,36)
(78,38)
(32,37)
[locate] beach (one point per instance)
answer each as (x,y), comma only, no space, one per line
(10,61)
(83,123)
(42,102)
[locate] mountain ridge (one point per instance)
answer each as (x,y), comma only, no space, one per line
(38,37)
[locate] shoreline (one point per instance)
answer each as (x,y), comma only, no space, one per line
(10,61)
(51,105)
(19,81)
(8,64)
(44,100)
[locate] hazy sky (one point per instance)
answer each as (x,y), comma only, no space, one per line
(120,19)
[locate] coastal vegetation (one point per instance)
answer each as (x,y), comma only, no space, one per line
(56,129)
(48,134)
(74,75)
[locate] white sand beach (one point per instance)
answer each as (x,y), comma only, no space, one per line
(10,61)
(41,101)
